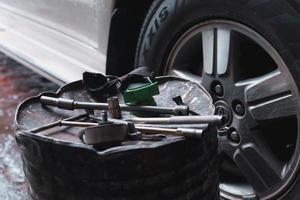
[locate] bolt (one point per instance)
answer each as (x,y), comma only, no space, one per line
(104,116)
(235,137)
(219,89)
(239,109)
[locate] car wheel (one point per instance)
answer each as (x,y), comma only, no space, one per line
(246,53)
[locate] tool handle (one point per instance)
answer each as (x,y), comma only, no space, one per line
(69,104)
(186,132)
(190,133)
(177,110)
(210,119)
(59,102)
(57,123)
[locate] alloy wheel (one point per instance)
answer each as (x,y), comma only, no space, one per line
(253,88)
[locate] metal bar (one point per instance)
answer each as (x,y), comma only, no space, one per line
(57,123)
(171,122)
(72,104)
(195,126)
(213,119)
(186,132)
(78,124)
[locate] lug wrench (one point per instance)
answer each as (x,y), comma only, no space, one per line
(93,130)
(72,104)
(113,131)
(186,132)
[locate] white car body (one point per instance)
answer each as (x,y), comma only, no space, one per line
(58,38)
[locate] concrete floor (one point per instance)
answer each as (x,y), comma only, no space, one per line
(16,84)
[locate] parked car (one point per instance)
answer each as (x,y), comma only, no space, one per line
(246,53)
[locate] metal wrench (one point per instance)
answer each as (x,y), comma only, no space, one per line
(186,132)
(198,119)
(72,104)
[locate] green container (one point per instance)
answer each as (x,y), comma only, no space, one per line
(139,93)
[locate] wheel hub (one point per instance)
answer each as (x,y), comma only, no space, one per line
(222,108)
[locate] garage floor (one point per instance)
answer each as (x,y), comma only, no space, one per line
(16,84)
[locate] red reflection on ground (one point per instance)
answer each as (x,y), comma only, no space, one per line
(16,84)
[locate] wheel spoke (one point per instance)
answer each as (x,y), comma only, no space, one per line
(223,48)
(208,50)
(266,86)
(258,166)
(186,75)
(278,107)
(269,96)
(216,49)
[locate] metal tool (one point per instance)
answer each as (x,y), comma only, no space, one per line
(212,119)
(57,123)
(114,107)
(94,133)
(179,101)
(186,132)
(172,126)
(104,134)
(72,104)
(117,132)
(133,133)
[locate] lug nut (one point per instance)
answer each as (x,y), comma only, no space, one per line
(239,109)
(219,89)
(235,137)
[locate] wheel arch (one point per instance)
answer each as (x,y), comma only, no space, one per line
(126,22)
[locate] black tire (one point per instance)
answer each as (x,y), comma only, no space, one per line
(189,172)
(278,21)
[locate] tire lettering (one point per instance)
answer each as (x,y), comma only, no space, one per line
(161,17)
(156,24)
(164,13)
(150,35)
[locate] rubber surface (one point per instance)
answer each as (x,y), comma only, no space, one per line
(277,20)
(183,170)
